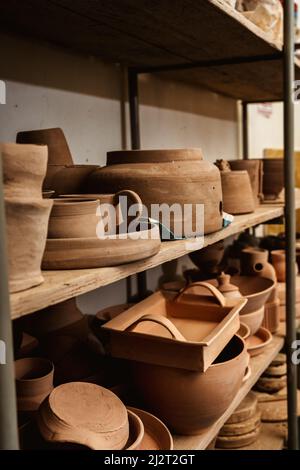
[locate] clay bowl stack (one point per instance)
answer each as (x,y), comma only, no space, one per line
(27,213)
(243,427)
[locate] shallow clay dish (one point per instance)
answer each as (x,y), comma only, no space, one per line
(257,343)
(156,434)
(234,442)
(80,253)
(136,431)
(86,414)
(244,331)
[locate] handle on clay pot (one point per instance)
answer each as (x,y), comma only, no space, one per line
(216,293)
(247,373)
(133,198)
(160,320)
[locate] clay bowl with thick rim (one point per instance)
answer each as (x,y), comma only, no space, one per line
(86,414)
(136,431)
(34,382)
(244,331)
(256,289)
(188,401)
(156,434)
(256,344)
(253,320)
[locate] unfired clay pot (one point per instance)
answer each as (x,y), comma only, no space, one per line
(24,168)
(136,431)
(256,289)
(68,179)
(237,192)
(273,179)
(26,230)
(74,218)
(156,434)
(254,319)
(207,259)
(254,168)
(254,262)
(188,401)
(166,177)
(272,316)
(34,382)
(58,149)
(278,261)
(84,413)
(244,331)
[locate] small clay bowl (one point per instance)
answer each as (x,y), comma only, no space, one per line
(34,382)
(156,434)
(136,432)
(244,331)
(257,343)
(253,320)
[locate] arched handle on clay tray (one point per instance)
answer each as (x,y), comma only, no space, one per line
(162,321)
(216,293)
(247,374)
(132,198)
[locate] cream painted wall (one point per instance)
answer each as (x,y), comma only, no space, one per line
(49,87)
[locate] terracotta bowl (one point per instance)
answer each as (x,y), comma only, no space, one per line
(189,401)
(156,434)
(34,382)
(257,343)
(244,331)
(86,414)
(256,289)
(209,257)
(253,320)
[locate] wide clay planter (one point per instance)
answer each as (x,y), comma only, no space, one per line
(58,149)
(34,382)
(254,319)
(166,177)
(68,179)
(26,230)
(74,218)
(273,179)
(189,401)
(254,168)
(24,169)
(237,192)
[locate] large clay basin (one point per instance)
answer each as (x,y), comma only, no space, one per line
(256,289)
(189,401)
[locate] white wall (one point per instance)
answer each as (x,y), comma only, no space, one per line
(49,87)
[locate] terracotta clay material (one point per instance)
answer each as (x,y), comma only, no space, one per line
(244,331)
(245,410)
(278,261)
(207,259)
(74,218)
(156,434)
(282,291)
(48,193)
(253,320)
(177,176)
(111,312)
(188,401)
(256,289)
(273,178)
(234,442)
(271,384)
(254,168)
(68,179)
(243,427)
(254,262)
(86,414)
(276,411)
(34,382)
(271,319)
(24,168)
(282,311)
(58,149)
(276,370)
(136,431)
(80,253)
(237,192)
(258,342)
(26,230)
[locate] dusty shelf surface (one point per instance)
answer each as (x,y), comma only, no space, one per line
(62,285)
(160,33)
(258,365)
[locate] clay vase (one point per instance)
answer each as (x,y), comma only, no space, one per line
(278,261)
(74,218)
(34,382)
(26,230)
(167,177)
(254,168)
(24,169)
(68,179)
(237,192)
(254,262)
(58,149)
(208,259)
(189,401)
(273,179)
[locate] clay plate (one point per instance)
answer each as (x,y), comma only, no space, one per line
(156,434)
(257,343)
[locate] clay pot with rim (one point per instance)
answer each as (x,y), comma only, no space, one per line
(254,168)
(156,434)
(237,192)
(177,176)
(68,179)
(26,230)
(256,289)
(86,414)
(273,179)
(189,401)
(208,259)
(34,382)
(74,218)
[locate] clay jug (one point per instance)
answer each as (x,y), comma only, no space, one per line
(254,262)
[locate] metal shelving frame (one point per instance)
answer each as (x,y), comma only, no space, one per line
(8,421)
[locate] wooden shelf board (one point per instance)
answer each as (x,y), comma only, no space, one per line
(62,285)
(258,365)
(161,32)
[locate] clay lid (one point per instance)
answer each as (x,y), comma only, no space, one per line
(226,288)
(153,156)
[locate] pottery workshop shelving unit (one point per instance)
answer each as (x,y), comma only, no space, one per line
(204,43)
